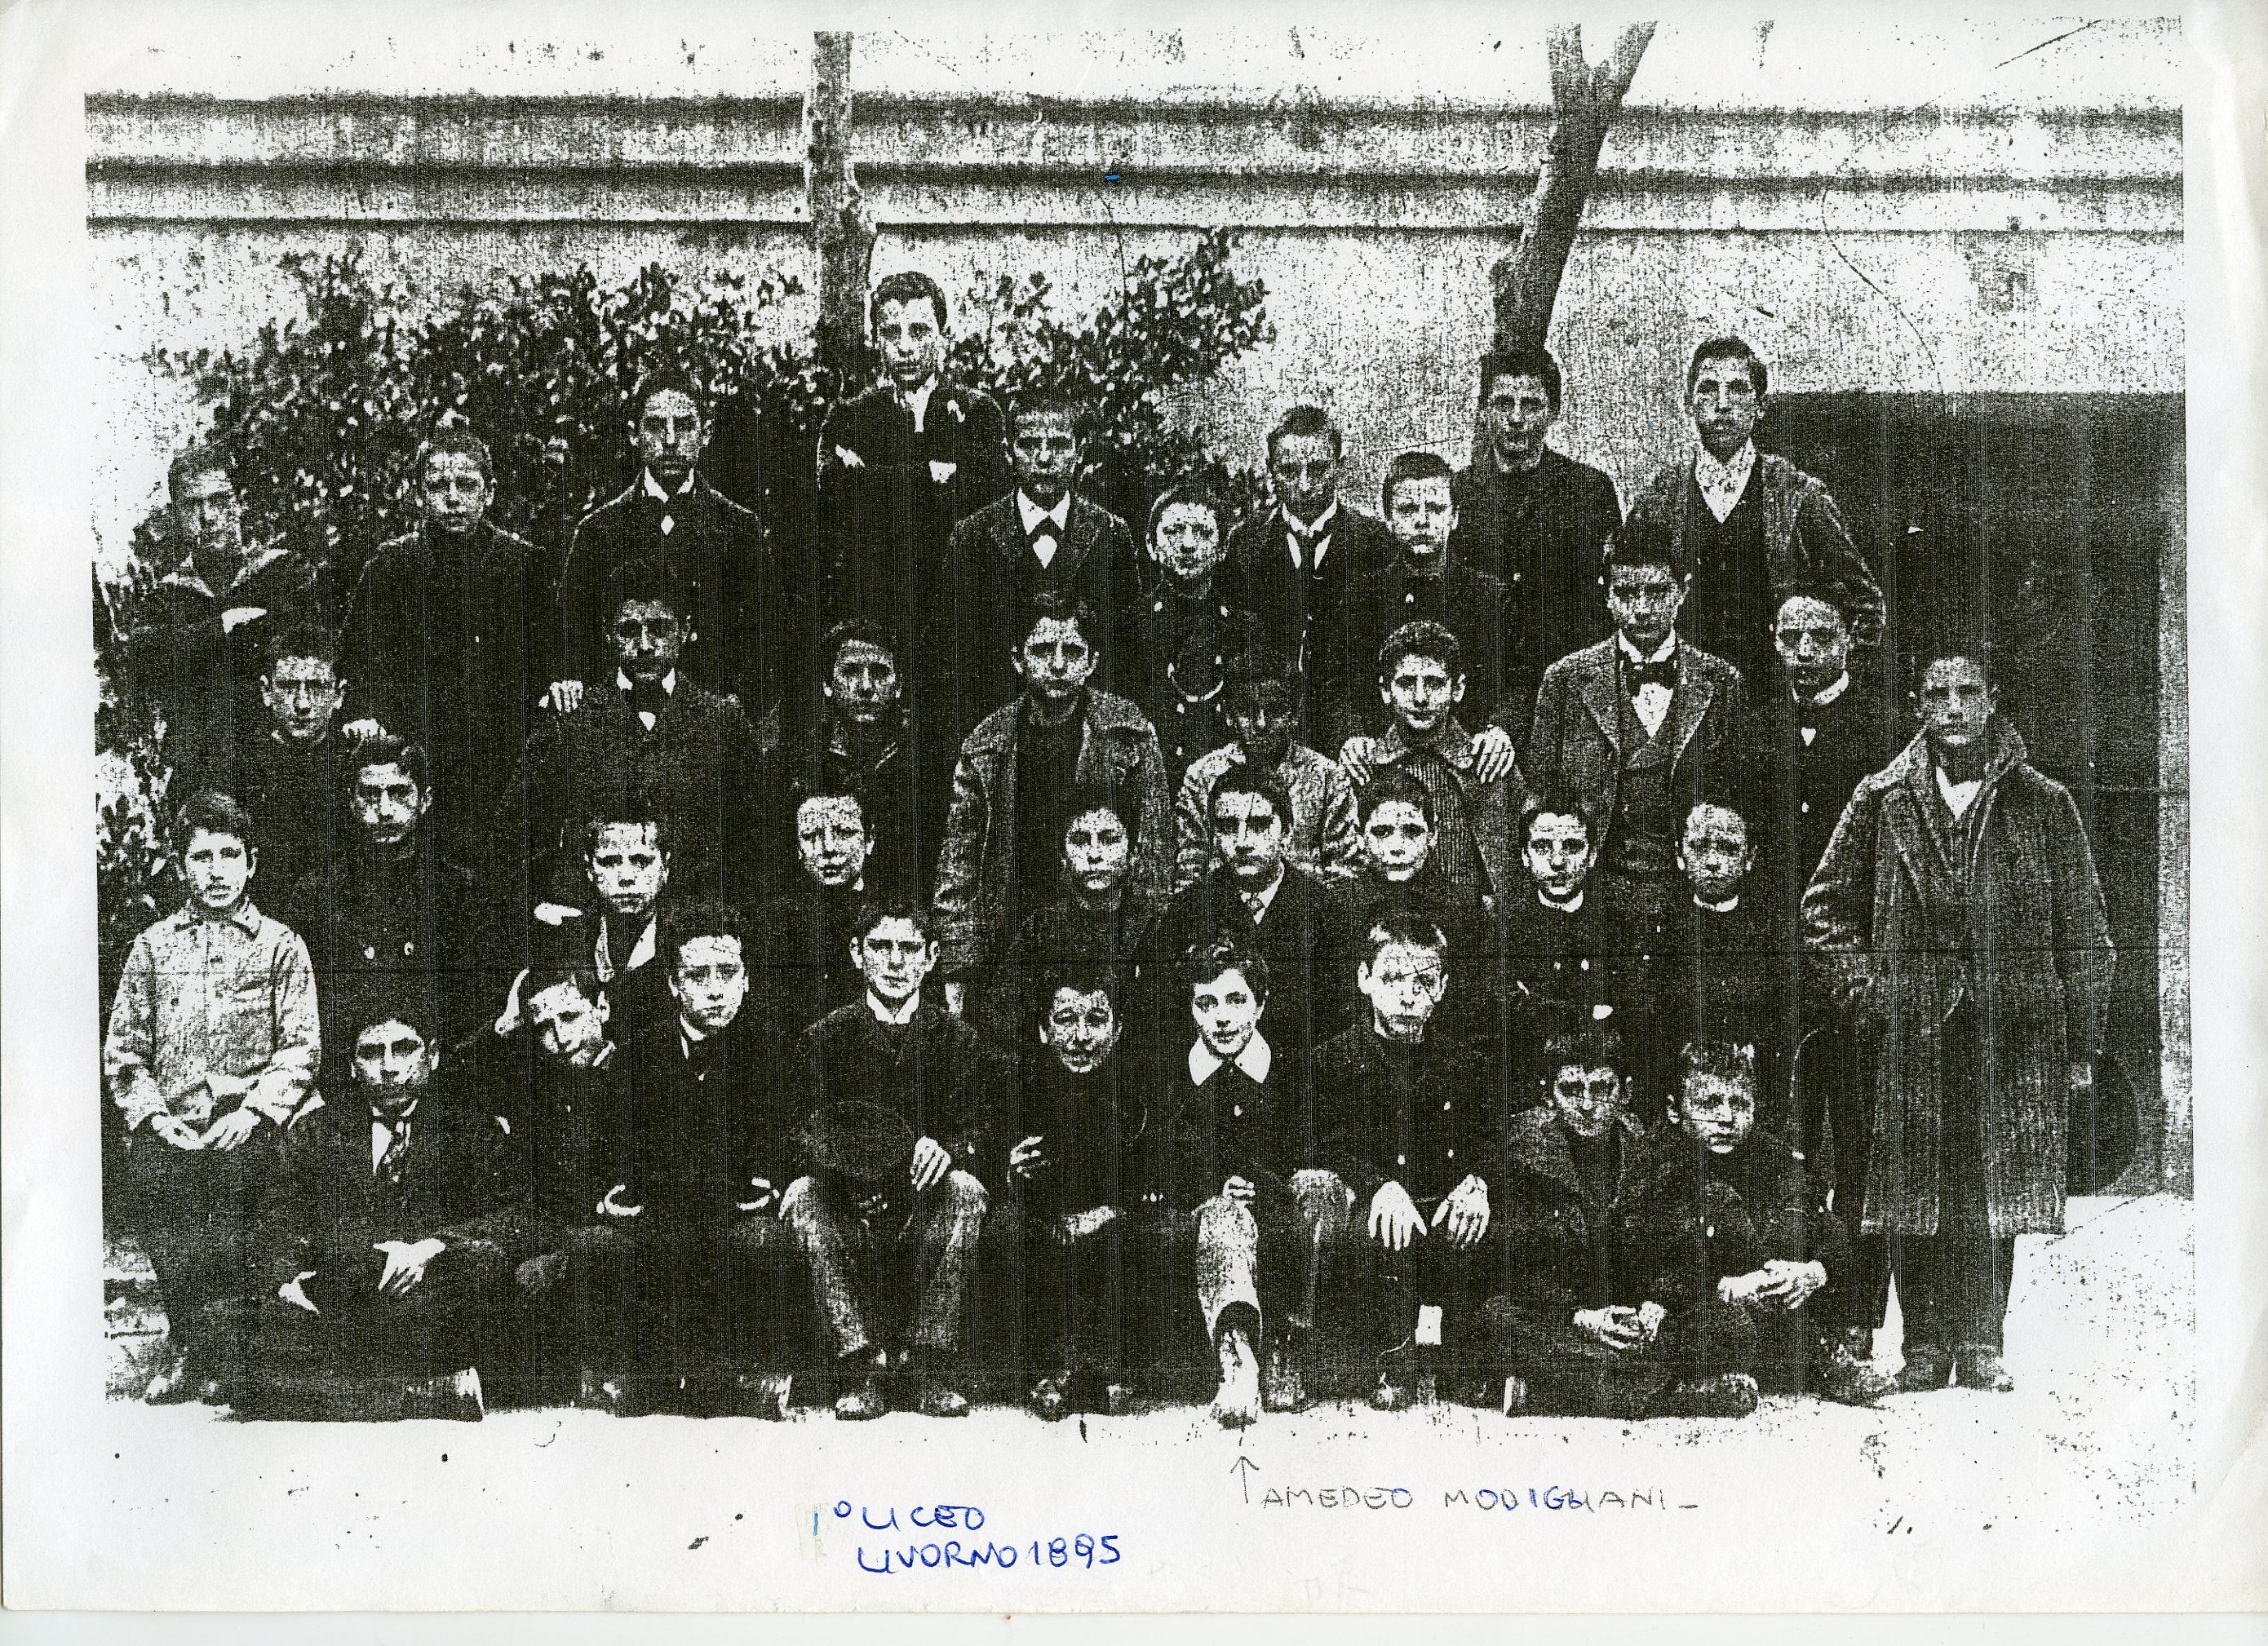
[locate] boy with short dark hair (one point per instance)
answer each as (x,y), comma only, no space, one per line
(1730,1237)
(805,958)
(1402,1120)
(211,1047)
(292,773)
(1260,702)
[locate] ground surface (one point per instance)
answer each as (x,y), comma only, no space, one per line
(2098,1437)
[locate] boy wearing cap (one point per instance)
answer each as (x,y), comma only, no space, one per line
(890,1241)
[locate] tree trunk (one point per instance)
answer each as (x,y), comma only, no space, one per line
(1584,102)
(840,227)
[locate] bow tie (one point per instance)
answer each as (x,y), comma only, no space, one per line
(1638,675)
(1254,904)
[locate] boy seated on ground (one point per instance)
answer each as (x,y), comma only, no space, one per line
(399,1210)
(1230,1132)
(1078,1221)
(890,1233)
(1566,1337)
(1403,1122)
(1730,1239)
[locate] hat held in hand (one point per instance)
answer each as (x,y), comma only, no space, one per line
(863,1141)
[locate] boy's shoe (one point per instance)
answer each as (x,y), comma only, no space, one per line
(1977,1366)
(1394,1391)
(1727,1394)
(1515,1396)
(862,1401)
(171,1384)
(1117,1400)
(1847,1378)
(1283,1387)
(1237,1403)
(1927,1366)
(597,1393)
(1047,1401)
(765,1394)
(1859,1340)
(934,1397)
(453,1397)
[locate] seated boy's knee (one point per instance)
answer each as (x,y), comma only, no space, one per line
(1324,1200)
(963,1194)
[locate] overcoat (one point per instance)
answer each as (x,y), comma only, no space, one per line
(2001,910)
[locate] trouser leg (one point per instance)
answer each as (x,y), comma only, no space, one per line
(195,1212)
(1566,1369)
(1846,1097)
(762,1299)
(1324,1208)
(1708,1340)
(1973,1268)
(1227,1261)
(833,1240)
(939,1250)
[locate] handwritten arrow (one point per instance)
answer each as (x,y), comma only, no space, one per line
(1242,1469)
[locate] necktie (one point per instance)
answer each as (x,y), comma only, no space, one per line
(1306,542)
(397,1150)
(1638,675)
(1254,905)
(648,699)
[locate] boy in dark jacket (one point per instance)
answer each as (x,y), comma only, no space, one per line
(1077,1174)
(1730,1237)
(397,1214)
(890,1262)
(1565,1335)
(1403,1122)
(1234,1125)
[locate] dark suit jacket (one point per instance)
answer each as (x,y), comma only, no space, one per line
(1575,744)
(884,526)
(701,1124)
(1427,1132)
(1545,541)
(700,768)
(801,968)
(449,641)
(991,577)
(719,552)
(1305,616)
(935,1072)
(462,1181)
(1700,1217)
(372,918)
(1560,1245)
(1808,786)
(1469,603)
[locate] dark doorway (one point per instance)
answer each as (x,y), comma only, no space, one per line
(2044,520)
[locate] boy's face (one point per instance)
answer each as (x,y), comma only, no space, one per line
(671,437)
(1403,983)
(1055,660)
(1725,405)
(1261,718)
(1814,644)
(302,695)
(911,339)
(1957,704)
(1227,1010)
(393,1063)
(709,981)
(387,802)
(649,638)
(1645,601)
(1516,416)
(1716,1113)
(1096,852)
(1714,853)
(456,495)
(830,840)
(1044,453)
(569,1028)
(1421,518)
(627,869)
(863,684)
(1422,692)
(1558,854)
(219,867)
(1248,838)
(1081,1029)
(206,515)
(1397,840)
(1188,542)
(1588,1100)
(1305,470)
(894,959)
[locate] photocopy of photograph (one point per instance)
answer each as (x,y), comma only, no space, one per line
(1230,814)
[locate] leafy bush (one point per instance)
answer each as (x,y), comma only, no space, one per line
(319,417)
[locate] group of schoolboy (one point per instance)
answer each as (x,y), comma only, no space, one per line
(939,940)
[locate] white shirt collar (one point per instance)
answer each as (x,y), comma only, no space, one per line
(1724,907)
(1033,514)
(1268,896)
(916,401)
(1958,796)
(1256,1060)
(641,951)
(900,1014)
(1662,653)
(1821,701)
(668,682)
(1320,529)
(1721,484)
(654,488)
(1572,906)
